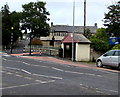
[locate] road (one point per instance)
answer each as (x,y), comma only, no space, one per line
(23,76)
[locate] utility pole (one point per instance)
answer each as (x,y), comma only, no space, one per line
(72,35)
(84,16)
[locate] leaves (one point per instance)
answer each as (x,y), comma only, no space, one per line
(112,20)
(100,41)
(9,20)
(35,18)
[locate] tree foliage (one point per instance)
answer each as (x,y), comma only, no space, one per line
(9,20)
(88,34)
(35,18)
(100,41)
(112,20)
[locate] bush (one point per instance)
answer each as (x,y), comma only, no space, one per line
(36,41)
(117,46)
(100,45)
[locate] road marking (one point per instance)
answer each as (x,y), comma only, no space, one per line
(113,91)
(18,75)
(74,72)
(9,73)
(57,69)
(84,73)
(35,74)
(44,82)
(19,86)
(48,76)
(84,88)
(99,91)
(28,78)
(25,63)
(12,68)
(26,71)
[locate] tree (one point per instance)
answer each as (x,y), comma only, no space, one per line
(35,18)
(9,20)
(112,20)
(88,34)
(100,41)
(6,25)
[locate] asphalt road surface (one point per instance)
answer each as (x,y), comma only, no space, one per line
(22,76)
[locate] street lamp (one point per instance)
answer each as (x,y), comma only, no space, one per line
(11,39)
(73,31)
(30,42)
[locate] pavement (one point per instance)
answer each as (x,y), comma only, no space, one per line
(58,60)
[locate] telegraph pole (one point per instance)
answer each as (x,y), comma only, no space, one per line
(84,16)
(72,35)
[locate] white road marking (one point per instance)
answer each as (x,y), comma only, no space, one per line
(25,63)
(19,86)
(26,71)
(48,76)
(12,68)
(4,59)
(18,75)
(57,69)
(84,88)
(9,73)
(113,91)
(84,73)
(28,78)
(74,72)
(97,89)
(44,82)
(34,73)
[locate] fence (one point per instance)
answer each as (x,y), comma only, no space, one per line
(46,50)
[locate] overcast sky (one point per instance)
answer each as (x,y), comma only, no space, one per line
(61,11)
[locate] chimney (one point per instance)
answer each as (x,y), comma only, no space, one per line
(51,24)
(95,24)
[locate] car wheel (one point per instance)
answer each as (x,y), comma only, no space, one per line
(99,63)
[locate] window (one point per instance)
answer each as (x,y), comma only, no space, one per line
(110,53)
(117,53)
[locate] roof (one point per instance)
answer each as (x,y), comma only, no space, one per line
(78,38)
(57,38)
(77,29)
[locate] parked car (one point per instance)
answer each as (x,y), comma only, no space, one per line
(110,58)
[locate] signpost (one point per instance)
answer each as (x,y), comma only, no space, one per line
(114,40)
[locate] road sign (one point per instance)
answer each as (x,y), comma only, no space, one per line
(113,40)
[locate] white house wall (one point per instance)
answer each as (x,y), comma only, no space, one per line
(82,52)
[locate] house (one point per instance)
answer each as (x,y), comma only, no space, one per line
(81,47)
(58,32)
(62,30)
(51,41)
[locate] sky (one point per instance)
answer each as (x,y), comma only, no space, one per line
(61,11)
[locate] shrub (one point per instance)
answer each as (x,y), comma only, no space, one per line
(117,46)
(36,41)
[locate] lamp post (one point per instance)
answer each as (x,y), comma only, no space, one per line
(73,31)
(11,39)
(30,43)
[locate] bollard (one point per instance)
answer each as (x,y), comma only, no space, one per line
(40,52)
